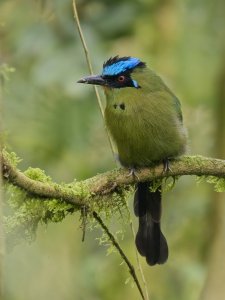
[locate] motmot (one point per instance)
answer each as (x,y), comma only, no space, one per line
(144,118)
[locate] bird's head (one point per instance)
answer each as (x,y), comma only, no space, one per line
(118,72)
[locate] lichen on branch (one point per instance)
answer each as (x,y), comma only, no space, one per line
(79,192)
(35,198)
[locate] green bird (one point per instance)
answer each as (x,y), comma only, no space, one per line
(145,120)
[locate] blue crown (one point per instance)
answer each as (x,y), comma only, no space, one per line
(116,65)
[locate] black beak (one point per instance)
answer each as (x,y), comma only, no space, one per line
(93,79)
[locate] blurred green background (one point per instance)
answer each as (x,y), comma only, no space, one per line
(55,124)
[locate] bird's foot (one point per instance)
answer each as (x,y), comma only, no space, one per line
(166,168)
(166,165)
(133,173)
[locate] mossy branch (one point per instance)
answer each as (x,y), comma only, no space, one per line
(95,194)
(109,182)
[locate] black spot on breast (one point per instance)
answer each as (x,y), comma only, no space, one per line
(122,106)
(115,106)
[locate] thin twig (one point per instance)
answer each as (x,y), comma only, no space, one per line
(100,184)
(76,17)
(83,221)
(137,255)
(86,52)
(122,254)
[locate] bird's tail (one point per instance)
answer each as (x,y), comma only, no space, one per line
(150,241)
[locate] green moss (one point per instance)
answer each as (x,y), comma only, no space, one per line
(169,183)
(37,174)
(81,190)
(11,157)
(115,214)
(193,160)
(219,183)
(114,211)
(110,204)
(23,213)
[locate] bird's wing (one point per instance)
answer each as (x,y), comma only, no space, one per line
(178,108)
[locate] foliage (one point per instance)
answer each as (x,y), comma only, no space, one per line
(217,182)
(24,212)
(55,124)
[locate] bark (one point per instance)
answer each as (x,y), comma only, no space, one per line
(111,181)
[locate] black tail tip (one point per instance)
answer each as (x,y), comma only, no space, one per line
(154,250)
(158,255)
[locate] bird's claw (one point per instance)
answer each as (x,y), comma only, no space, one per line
(133,174)
(166,165)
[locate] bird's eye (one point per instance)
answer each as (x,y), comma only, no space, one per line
(121,78)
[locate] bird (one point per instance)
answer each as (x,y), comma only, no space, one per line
(145,121)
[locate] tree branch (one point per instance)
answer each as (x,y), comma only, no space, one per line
(109,182)
(80,193)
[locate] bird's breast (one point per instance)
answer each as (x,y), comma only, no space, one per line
(143,133)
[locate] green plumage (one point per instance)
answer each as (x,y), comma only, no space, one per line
(149,127)
(145,120)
